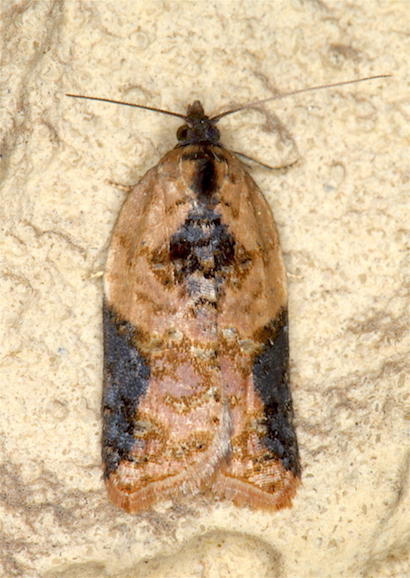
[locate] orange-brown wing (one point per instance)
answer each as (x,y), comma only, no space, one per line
(196,395)
(263,470)
(166,427)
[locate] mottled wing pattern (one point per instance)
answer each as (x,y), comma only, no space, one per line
(196,395)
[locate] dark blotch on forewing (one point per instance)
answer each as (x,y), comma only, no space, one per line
(271,378)
(202,244)
(126,378)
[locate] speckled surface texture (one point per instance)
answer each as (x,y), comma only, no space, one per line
(342,214)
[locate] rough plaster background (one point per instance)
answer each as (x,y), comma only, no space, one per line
(342,214)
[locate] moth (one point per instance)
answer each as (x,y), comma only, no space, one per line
(196,356)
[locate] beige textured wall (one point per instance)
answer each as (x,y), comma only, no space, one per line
(342,214)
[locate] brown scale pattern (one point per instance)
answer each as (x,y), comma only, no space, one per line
(200,312)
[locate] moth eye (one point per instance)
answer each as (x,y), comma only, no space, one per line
(182,132)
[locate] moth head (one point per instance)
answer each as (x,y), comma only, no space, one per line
(199,128)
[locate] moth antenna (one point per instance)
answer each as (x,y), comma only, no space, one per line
(130,104)
(216,118)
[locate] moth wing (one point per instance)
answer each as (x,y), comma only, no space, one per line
(263,470)
(165,424)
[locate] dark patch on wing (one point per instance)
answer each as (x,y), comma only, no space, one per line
(202,244)
(126,378)
(271,378)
